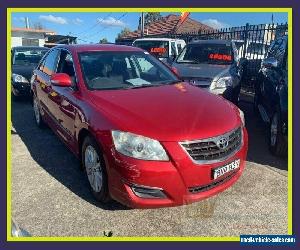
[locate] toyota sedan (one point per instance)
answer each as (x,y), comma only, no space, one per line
(144,138)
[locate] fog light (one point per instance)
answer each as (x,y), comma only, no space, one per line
(148,192)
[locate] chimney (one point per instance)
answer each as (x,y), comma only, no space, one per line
(26,22)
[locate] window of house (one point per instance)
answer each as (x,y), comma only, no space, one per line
(30,42)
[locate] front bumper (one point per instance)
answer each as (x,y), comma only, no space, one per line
(21,88)
(181,180)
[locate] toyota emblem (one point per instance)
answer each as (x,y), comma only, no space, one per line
(222,143)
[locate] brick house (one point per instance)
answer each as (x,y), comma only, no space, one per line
(166,25)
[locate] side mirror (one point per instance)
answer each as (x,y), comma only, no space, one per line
(270,62)
(61,80)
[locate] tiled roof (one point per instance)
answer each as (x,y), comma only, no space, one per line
(33,30)
(170,24)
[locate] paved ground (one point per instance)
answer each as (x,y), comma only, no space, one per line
(50,195)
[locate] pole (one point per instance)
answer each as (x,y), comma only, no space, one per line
(142,24)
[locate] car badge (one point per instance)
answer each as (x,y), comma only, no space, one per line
(223,143)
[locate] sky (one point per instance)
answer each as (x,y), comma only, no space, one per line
(91,27)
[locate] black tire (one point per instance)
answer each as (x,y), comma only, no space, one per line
(277,143)
(103,194)
(37,113)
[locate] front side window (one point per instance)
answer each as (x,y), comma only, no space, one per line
(156,48)
(28,56)
(65,65)
(123,70)
(206,53)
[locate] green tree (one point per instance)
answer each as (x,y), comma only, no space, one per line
(103,40)
(124,32)
(149,18)
(152,17)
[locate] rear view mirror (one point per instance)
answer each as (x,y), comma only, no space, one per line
(61,80)
(270,62)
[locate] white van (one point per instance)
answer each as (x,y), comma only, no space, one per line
(166,49)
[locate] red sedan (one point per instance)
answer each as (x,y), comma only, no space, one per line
(144,138)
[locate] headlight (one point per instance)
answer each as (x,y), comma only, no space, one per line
(19,78)
(138,146)
(221,83)
(242,117)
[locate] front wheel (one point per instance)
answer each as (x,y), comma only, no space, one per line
(277,143)
(94,165)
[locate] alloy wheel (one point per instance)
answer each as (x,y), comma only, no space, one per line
(93,168)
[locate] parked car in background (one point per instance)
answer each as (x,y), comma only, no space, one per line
(166,49)
(271,94)
(23,61)
(144,138)
(213,65)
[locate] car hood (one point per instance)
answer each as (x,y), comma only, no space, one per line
(167,113)
(186,70)
(24,70)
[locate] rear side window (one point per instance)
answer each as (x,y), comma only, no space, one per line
(173,49)
(179,47)
(50,63)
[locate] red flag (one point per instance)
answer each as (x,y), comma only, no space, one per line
(183,16)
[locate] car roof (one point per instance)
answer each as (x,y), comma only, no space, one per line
(213,41)
(158,39)
(30,47)
(97,47)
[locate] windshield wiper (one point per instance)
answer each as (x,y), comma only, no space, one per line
(139,86)
(190,62)
(171,82)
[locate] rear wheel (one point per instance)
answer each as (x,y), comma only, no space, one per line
(37,114)
(277,143)
(94,166)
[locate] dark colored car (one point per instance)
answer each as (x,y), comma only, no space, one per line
(271,94)
(23,61)
(144,138)
(213,65)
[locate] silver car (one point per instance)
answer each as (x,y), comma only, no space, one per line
(213,65)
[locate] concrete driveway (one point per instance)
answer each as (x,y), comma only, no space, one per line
(50,194)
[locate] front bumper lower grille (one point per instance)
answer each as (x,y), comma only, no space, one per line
(214,149)
(204,188)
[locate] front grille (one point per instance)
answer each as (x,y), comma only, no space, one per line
(199,189)
(214,149)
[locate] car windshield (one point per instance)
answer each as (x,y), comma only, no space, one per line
(25,56)
(206,53)
(156,48)
(123,70)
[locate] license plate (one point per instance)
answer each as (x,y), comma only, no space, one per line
(218,172)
